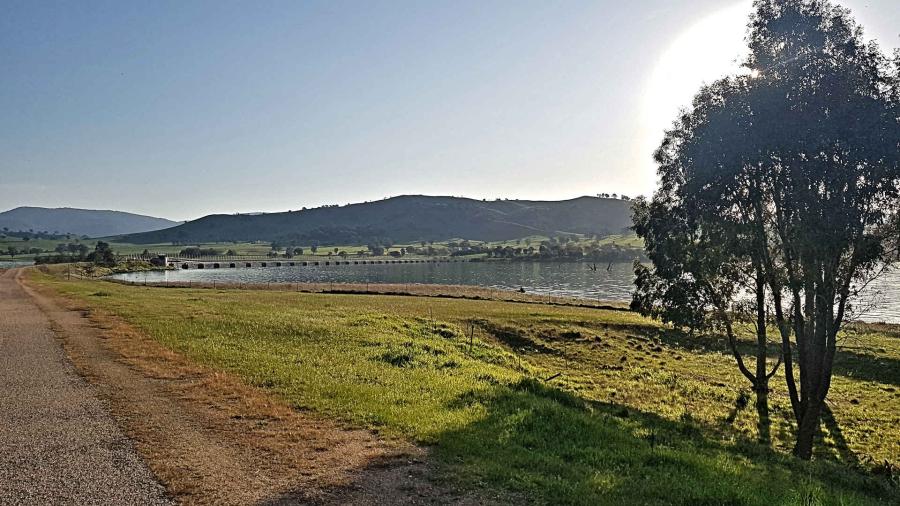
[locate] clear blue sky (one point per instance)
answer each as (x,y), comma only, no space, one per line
(180,109)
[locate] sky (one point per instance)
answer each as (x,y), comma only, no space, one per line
(187,108)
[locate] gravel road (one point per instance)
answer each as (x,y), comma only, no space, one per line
(58,443)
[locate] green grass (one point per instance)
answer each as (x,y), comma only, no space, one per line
(18,243)
(639,414)
(241,248)
(624,240)
(261,248)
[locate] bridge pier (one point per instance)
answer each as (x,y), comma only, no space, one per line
(215,263)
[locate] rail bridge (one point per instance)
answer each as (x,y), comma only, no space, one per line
(236,262)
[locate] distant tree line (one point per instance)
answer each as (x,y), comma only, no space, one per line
(561,248)
(552,250)
(12,251)
(75,250)
(102,255)
(27,235)
(196,251)
(624,197)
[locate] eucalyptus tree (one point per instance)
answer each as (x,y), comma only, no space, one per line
(704,261)
(828,139)
(794,171)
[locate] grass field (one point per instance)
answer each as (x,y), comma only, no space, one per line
(560,405)
(243,248)
(261,248)
(623,240)
(20,244)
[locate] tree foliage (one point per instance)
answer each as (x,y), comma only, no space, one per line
(785,184)
(102,255)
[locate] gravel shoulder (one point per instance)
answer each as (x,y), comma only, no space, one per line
(212,439)
(58,442)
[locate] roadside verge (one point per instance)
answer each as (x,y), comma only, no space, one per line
(212,439)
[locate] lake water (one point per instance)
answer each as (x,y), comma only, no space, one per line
(560,279)
(7,264)
(882,298)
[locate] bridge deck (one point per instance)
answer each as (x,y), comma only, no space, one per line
(234,262)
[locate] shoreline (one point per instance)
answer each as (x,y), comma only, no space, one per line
(446,291)
(461,292)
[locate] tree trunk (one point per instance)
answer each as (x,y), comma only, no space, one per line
(762,411)
(806,433)
(761,385)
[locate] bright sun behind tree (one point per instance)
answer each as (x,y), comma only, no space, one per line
(702,53)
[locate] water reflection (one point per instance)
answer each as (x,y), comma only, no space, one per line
(561,279)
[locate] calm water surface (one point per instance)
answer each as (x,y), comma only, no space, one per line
(9,264)
(881,299)
(560,279)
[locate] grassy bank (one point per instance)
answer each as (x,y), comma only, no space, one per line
(559,404)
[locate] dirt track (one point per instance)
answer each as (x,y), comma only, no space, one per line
(58,442)
(207,436)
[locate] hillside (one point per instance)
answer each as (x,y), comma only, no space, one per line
(407,219)
(89,222)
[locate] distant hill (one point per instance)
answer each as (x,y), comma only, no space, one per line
(406,219)
(89,222)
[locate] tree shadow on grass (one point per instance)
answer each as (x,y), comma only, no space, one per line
(539,444)
(675,338)
(559,448)
(830,427)
(848,363)
(868,367)
(393,479)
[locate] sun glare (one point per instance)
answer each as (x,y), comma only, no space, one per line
(708,50)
